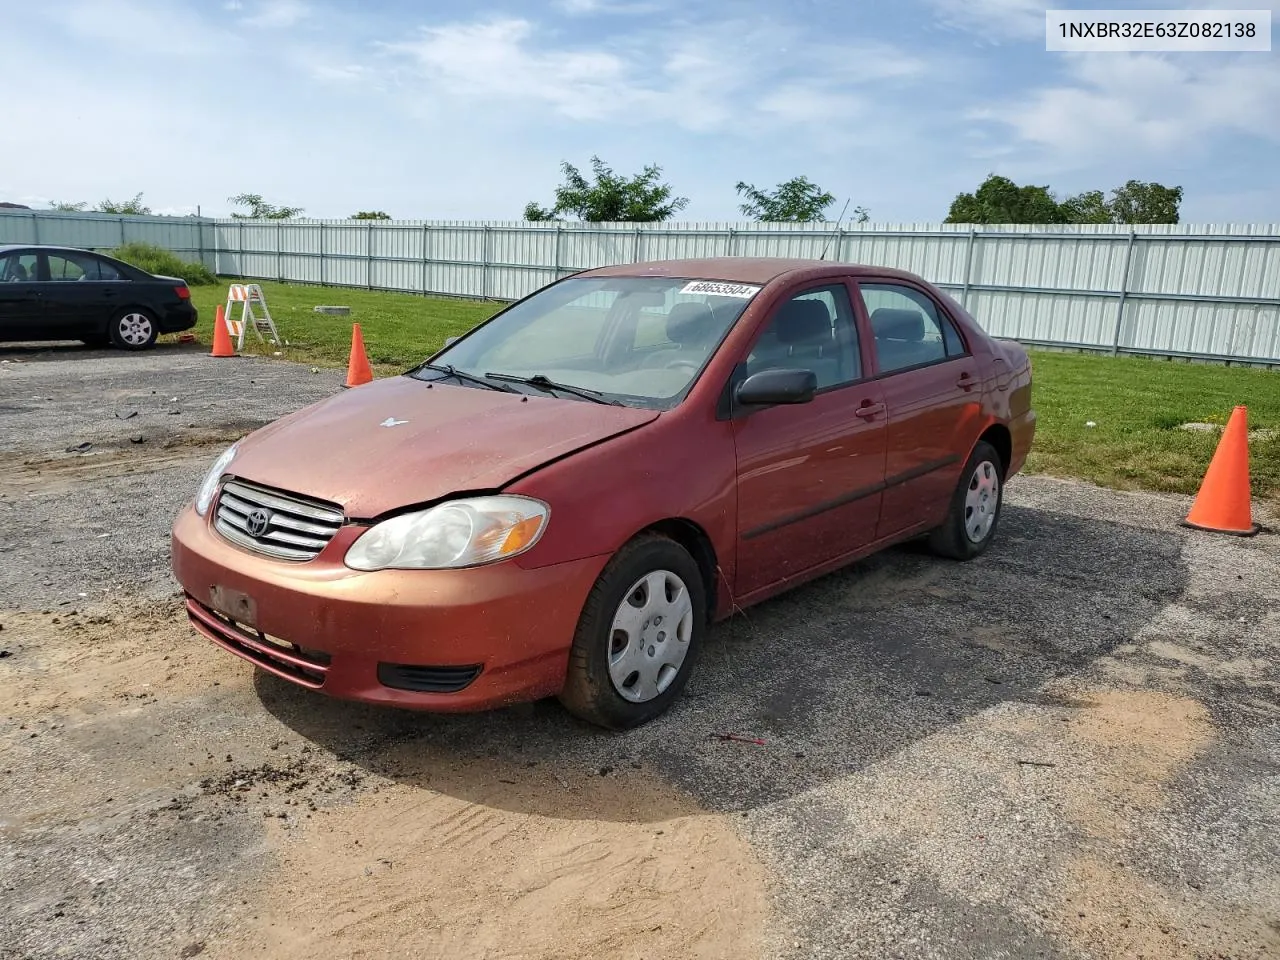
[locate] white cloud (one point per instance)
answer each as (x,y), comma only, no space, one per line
(494,60)
(994,20)
(586,7)
(1145,104)
(723,77)
(277,14)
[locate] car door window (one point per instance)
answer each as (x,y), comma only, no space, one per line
(66,266)
(909,329)
(814,330)
(18,268)
(97,269)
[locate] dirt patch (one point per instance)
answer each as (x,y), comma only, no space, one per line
(1137,740)
(64,472)
(415,871)
(1135,744)
(75,662)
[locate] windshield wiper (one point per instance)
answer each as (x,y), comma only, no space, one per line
(451,370)
(543,383)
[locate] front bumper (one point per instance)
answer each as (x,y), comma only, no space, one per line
(463,639)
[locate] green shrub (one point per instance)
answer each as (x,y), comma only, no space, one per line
(153,259)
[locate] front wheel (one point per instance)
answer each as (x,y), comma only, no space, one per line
(133,329)
(974,512)
(638,635)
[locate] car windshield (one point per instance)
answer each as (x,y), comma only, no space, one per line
(639,341)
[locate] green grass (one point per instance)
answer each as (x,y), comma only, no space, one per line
(1137,404)
(399,329)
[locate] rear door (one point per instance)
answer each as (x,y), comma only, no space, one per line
(810,474)
(20,304)
(933,391)
(81,294)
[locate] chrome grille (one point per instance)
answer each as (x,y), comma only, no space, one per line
(294,529)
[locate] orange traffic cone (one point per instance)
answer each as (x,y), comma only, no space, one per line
(358,371)
(221,336)
(1223,504)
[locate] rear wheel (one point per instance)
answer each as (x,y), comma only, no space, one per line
(974,513)
(133,329)
(638,636)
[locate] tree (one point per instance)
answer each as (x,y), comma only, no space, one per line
(129,208)
(536,213)
(798,200)
(612,198)
(65,207)
(1138,202)
(371,215)
(259,209)
(1000,200)
(1088,207)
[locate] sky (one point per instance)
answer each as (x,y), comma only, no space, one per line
(430,110)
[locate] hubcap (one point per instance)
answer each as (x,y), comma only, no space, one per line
(650,636)
(135,329)
(980,501)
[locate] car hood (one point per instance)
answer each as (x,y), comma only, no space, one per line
(399,441)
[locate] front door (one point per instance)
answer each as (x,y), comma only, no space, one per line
(20,304)
(933,391)
(810,474)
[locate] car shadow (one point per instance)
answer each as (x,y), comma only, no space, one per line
(831,677)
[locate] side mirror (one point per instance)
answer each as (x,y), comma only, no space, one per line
(449,341)
(777,386)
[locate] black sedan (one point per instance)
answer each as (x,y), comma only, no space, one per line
(64,293)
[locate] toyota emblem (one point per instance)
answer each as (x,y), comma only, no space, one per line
(257,522)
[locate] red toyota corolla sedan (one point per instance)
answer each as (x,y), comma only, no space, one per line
(563,500)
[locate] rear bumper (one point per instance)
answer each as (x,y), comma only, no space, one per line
(177,318)
(439,640)
(1023,432)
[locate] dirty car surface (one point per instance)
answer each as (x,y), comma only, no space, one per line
(563,500)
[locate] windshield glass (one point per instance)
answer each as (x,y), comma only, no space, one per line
(638,340)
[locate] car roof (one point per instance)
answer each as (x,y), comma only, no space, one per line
(47,247)
(744,269)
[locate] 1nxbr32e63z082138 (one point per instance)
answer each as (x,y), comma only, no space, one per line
(563,500)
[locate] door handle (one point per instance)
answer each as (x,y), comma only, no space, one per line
(869,410)
(966,381)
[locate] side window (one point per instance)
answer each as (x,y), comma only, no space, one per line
(97,269)
(909,330)
(18,268)
(814,331)
(65,266)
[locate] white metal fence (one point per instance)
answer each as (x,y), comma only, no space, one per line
(1196,291)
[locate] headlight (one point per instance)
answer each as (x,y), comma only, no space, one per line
(210,485)
(459,533)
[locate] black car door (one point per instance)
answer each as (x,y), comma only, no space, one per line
(20,304)
(80,296)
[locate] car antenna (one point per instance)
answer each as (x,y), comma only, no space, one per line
(827,245)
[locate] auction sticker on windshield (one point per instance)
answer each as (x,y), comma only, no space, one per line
(718,288)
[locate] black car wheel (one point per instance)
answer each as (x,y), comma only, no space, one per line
(133,329)
(638,635)
(974,513)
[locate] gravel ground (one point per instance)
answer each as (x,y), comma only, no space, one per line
(1068,748)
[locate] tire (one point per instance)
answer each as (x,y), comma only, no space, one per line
(134,328)
(618,676)
(974,512)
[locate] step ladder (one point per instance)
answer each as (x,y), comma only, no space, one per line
(253,314)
